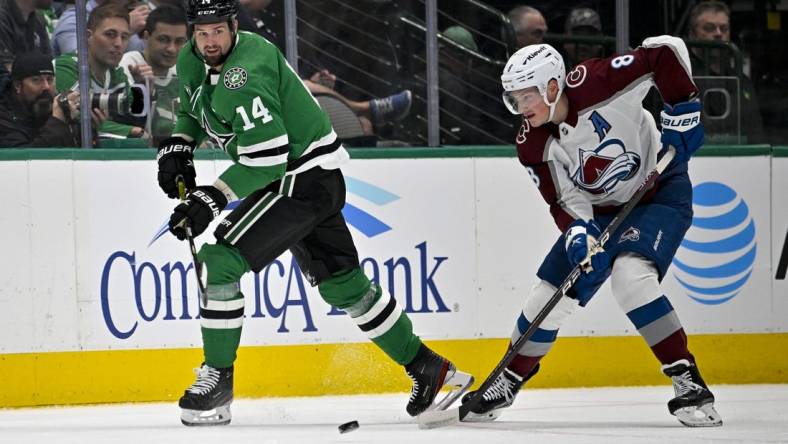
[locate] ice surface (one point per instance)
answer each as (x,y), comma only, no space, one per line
(752,414)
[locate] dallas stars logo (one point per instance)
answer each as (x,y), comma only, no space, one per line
(235,78)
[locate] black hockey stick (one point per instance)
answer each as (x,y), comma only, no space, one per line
(434,419)
(197,264)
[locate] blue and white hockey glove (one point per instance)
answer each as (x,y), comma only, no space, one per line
(579,239)
(682,128)
(201,206)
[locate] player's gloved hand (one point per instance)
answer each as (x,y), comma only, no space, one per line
(201,206)
(682,128)
(176,159)
(579,240)
(588,284)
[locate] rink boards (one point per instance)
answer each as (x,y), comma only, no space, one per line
(92,313)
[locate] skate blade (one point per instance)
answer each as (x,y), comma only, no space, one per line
(703,416)
(458,384)
(438,418)
(219,416)
(492,415)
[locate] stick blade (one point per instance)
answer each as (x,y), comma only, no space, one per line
(439,418)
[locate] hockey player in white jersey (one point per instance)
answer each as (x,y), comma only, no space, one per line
(588,144)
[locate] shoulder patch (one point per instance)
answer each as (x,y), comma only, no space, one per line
(576,77)
(235,78)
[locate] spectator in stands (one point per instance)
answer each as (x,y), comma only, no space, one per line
(64,38)
(380,110)
(583,22)
(108,36)
(138,16)
(22,30)
(710,21)
(529,25)
(165,34)
(256,16)
(459,116)
(31,116)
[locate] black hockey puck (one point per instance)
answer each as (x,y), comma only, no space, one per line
(348,427)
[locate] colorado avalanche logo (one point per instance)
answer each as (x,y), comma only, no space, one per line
(601,169)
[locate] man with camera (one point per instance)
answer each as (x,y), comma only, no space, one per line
(31,116)
(108,36)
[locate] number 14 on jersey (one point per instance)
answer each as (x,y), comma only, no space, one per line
(258,111)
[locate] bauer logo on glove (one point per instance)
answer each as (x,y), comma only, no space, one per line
(198,210)
(175,148)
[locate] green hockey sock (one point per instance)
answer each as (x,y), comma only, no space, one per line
(222,317)
(375,312)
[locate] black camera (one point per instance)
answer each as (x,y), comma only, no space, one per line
(129,103)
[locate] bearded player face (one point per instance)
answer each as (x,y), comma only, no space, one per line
(213,41)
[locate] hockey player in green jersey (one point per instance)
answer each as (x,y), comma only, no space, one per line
(238,89)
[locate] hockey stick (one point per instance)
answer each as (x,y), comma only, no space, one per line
(434,419)
(190,238)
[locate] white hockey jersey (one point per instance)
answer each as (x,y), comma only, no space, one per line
(608,143)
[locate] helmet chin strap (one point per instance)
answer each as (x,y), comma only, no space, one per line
(551,106)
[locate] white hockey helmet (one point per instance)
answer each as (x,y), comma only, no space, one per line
(533,65)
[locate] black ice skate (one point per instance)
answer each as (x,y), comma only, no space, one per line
(430,372)
(500,395)
(694,402)
(207,401)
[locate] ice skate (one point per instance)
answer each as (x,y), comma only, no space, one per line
(207,401)
(430,372)
(694,402)
(500,395)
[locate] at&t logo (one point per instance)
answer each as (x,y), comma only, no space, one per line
(716,258)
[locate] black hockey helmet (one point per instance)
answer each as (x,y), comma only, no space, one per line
(210,11)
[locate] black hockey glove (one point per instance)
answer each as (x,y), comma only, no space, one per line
(176,159)
(201,206)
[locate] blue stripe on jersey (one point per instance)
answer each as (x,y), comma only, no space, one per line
(650,312)
(540,335)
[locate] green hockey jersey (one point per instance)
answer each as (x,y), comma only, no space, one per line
(67,78)
(257,110)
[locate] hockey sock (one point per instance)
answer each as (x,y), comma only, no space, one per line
(222,317)
(673,348)
(659,325)
(544,337)
(375,312)
(533,350)
(635,285)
